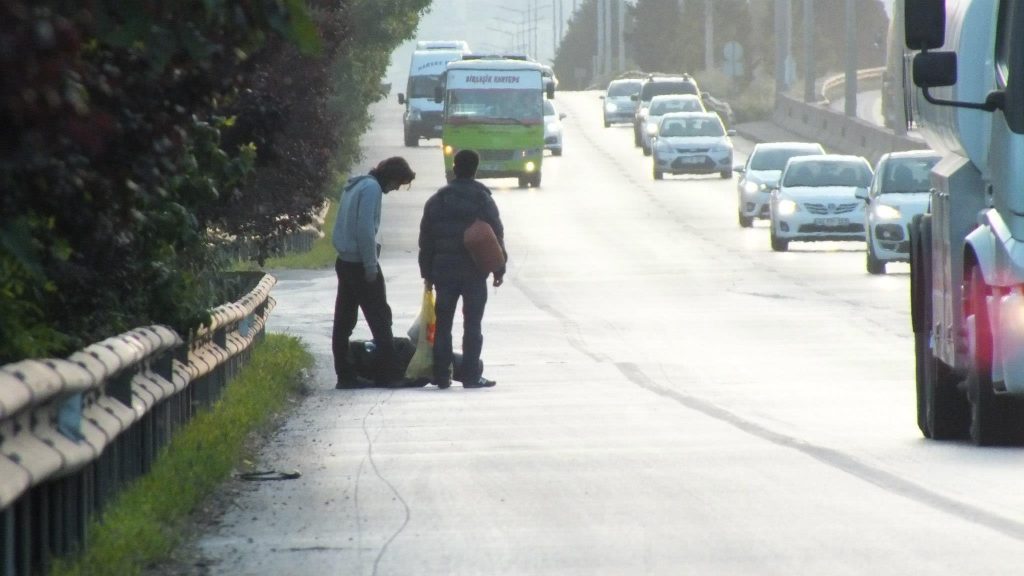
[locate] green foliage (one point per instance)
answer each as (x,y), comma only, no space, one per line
(142,133)
(142,526)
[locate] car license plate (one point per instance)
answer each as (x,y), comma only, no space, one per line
(692,160)
(831,221)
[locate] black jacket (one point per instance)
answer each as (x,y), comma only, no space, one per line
(446,215)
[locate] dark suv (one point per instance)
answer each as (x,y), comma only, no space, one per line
(656,86)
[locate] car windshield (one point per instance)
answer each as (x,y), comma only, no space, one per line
(775,159)
(665,106)
(423,86)
(907,175)
(652,89)
(623,89)
(693,127)
(843,173)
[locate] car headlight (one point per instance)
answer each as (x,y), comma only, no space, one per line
(414,115)
(886,212)
(787,207)
(643,112)
(610,107)
(652,128)
(751,187)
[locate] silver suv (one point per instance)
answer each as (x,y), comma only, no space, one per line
(619,105)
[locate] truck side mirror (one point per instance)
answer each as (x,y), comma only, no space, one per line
(933,69)
(551,91)
(438,94)
(924,24)
(401,98)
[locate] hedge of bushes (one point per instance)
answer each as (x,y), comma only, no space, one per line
(140,135)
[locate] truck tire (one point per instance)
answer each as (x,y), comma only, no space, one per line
(941,408)
(995,419)
(411,140)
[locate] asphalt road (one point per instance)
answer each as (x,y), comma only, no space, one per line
(673,398)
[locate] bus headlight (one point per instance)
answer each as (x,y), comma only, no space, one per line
(448,150)
(530,167)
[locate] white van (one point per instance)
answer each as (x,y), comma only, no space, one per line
(422,118)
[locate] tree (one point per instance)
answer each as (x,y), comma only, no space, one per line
(139,132)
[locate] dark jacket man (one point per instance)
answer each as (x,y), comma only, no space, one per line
(446,265)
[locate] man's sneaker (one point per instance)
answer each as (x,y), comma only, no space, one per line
(442,384)
(481,382)
(353,383)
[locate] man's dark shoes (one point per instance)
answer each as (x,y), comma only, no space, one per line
(352,383)
(480,382)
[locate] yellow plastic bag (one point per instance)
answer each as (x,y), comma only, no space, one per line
(422,363)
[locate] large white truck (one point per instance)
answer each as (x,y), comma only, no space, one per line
(967,254)
(422,117)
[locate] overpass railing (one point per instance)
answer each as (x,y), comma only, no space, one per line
(75,431)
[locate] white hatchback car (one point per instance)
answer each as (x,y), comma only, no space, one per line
(817,199)
(661,105)
(760,175)
(692,143)
(899,191)
(552,128)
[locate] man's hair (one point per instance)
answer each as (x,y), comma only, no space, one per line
(466,163)
(394,169)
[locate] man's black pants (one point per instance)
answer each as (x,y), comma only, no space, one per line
(473,290)
(354,294)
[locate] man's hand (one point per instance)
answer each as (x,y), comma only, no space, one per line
(499,279)
(371,276)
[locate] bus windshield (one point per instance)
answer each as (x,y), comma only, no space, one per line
(470,106)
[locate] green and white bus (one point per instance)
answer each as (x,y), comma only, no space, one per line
(495,106)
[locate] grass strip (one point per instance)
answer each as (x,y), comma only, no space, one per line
(145,523)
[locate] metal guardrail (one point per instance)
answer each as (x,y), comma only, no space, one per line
(838,132)
(75,431)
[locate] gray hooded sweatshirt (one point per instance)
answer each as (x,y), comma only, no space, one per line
(355,230)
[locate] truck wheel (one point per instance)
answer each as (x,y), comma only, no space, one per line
(658,174)
(778,244)
(874,265)
(535,180)
(411,140)
(523,181)
(744,221)
(994,419)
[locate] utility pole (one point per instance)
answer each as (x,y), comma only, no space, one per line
(810,66)
(709,36)
(851,58)
(622,34)
(783,19)
(607,36)
(599,58)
